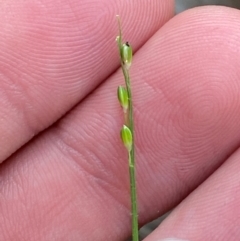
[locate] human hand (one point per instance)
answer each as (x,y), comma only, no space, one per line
(71,181)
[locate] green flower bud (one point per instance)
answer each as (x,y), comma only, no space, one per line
(126,54)
(123,98)
(126,136)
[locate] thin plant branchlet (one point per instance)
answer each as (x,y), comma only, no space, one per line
(124,94)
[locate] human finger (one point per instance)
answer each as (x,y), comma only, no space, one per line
(53,53)
(82,162)
(210,213)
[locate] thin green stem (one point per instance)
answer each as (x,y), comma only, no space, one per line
(133,189)
(131,154)
(130,112)
(135,234)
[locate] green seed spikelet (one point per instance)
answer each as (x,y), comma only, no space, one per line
(123,97)
(126,54)
(126,136)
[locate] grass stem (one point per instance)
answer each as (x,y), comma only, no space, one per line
(126,58)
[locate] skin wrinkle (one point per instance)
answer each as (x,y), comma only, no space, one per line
(110,187)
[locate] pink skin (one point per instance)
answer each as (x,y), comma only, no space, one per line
(71,181)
